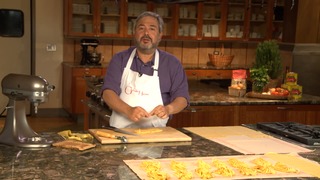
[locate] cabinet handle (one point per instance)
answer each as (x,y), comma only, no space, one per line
(193,110)
(283,108)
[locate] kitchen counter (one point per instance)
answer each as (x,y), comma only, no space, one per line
(78,65)
(103,161)
(214,92)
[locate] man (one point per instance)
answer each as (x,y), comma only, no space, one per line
(144,86)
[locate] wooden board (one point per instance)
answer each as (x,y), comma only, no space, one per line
(168,134)
(265,96)
(245,140)
(191,165)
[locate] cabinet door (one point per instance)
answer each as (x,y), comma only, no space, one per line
(167,12)
(189,26)
(80,18)
(197,116)
(235,16)
(284,20)
(259,19)
(211,19)
(93,18)
(109,18)
(272,113)
(132,10)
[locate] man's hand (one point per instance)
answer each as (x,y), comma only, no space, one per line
(160,111)
(136,113)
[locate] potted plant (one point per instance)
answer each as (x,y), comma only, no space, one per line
(268,56)
(259,77)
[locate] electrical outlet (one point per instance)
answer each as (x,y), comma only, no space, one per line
(51,47)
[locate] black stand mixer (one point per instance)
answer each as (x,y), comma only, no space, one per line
(90,58)
(19,88)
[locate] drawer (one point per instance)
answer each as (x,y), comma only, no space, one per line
(196,73)
(212,74)
(219,74)
(87,72)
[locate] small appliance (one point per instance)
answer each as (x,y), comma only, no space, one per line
(19,88)
(90,57)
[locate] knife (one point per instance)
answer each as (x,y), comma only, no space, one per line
(118,130)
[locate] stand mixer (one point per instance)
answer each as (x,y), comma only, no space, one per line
(19,88)
(91,58)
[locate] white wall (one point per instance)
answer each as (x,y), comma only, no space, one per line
(15,52)
(49,30)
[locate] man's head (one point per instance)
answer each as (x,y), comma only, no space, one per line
(148,31)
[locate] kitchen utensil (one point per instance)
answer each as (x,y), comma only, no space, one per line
(123,139)
(118,130)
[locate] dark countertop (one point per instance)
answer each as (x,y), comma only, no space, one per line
(215,92)
(78,65)
(103,161)
(209,66)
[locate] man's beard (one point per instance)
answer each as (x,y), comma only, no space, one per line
(146,47)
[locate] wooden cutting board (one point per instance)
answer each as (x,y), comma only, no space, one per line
(168,134)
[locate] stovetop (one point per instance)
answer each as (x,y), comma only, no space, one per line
(306,134)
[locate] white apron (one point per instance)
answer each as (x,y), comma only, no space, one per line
(143,91)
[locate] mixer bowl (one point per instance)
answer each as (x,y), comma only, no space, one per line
(94,57)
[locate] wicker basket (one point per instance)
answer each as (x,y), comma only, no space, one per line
(220,60)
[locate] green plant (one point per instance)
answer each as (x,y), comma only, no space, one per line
(259,77)
(268,56)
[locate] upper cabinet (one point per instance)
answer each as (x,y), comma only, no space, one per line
(259,16)
(134,7)
(284,20)
(234,18)
(245,20)
(211,19)
(93,18)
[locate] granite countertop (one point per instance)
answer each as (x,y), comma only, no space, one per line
(103,161)
(209,66)
(215,92)
(78,65)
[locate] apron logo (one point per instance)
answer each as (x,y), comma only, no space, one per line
(130,90)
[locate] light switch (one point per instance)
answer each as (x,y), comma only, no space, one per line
(51,47)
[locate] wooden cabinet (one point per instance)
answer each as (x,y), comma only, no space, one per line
(306,114)
(252,20)
(74,86)
(284,20)
(235,115)
(196,116)
(93,18)
(209,74)
(135,7)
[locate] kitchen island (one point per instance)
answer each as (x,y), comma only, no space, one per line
(104,161)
